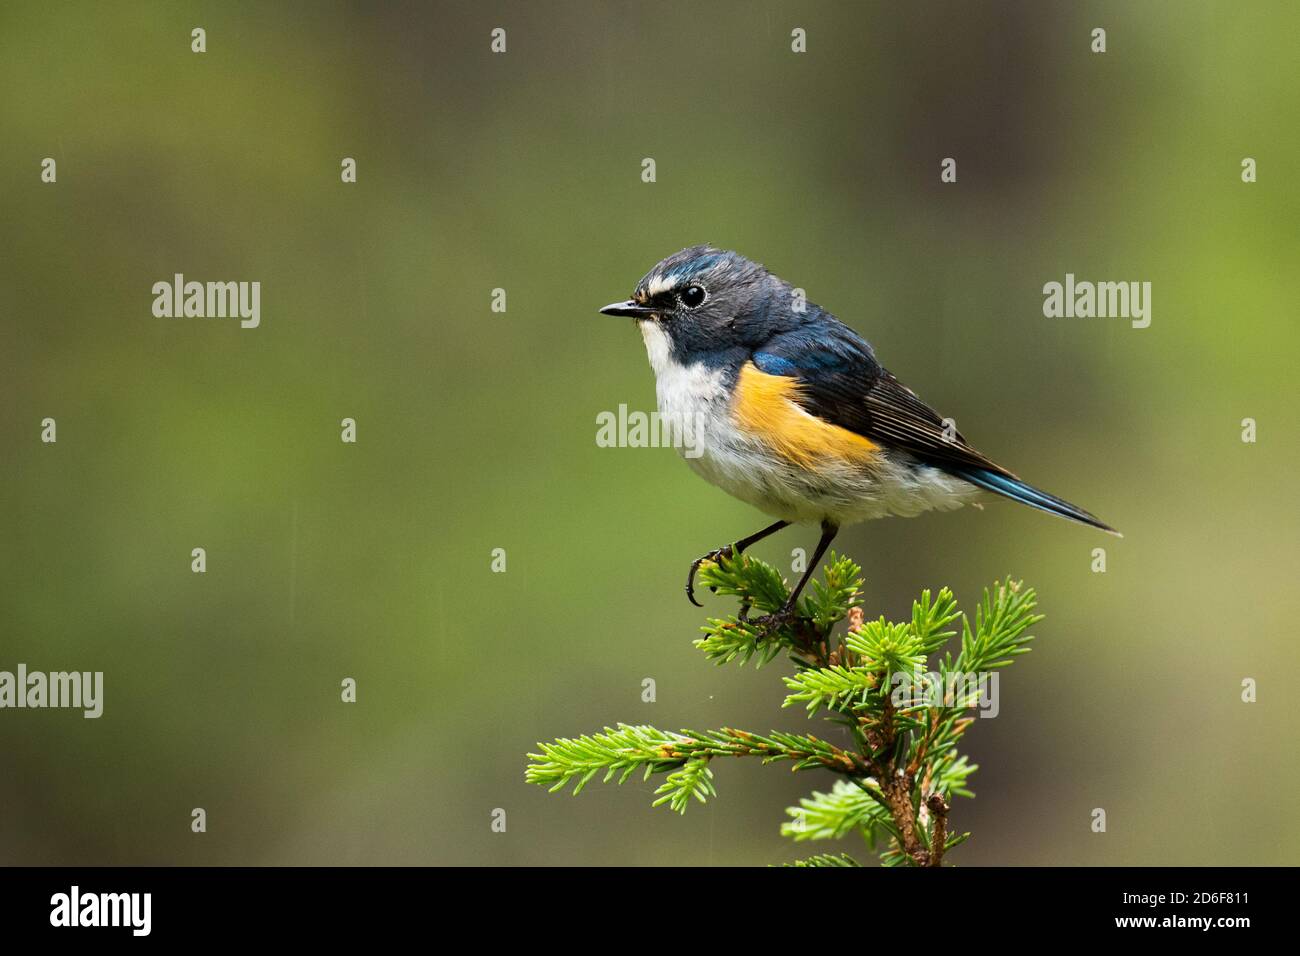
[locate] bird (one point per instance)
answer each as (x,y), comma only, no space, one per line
(788,409)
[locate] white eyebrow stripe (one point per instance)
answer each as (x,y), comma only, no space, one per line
(658,285)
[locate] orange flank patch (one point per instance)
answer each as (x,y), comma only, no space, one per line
(765,406)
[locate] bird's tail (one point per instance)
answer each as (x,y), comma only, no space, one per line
(1011,487)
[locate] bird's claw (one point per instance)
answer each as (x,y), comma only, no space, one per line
(713,556)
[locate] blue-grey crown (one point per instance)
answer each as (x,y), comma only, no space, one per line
(696,264)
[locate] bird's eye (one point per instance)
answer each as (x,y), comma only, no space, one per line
(692,296)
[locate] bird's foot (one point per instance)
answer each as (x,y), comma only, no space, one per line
(769,624)
(713,557)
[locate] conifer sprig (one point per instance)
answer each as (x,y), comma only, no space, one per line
(902,699)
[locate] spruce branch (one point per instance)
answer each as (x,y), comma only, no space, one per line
(826,859)
(1000,624)
(757,584)
(684,757)
(900,765)
(694,779)
(836,687)
(830,816)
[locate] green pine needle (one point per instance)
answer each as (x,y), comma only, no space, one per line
(826,859)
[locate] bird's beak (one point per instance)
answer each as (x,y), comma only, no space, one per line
(629,308)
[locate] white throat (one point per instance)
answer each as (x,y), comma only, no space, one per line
(657,346)
(682,390)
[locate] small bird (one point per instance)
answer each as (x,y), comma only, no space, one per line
(788,409)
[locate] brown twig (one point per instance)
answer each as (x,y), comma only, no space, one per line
(898,794)
(896,783)
(939,810)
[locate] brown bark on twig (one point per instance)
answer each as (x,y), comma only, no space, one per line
(939,811)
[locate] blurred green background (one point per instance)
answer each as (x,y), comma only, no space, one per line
(476,430)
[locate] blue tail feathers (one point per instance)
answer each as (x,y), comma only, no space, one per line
(1017,490)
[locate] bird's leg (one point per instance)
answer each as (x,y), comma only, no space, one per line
(734,549)
(786,615)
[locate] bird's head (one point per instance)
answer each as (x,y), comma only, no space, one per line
(707,300)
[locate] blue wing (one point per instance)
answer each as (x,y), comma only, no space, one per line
(841,382)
